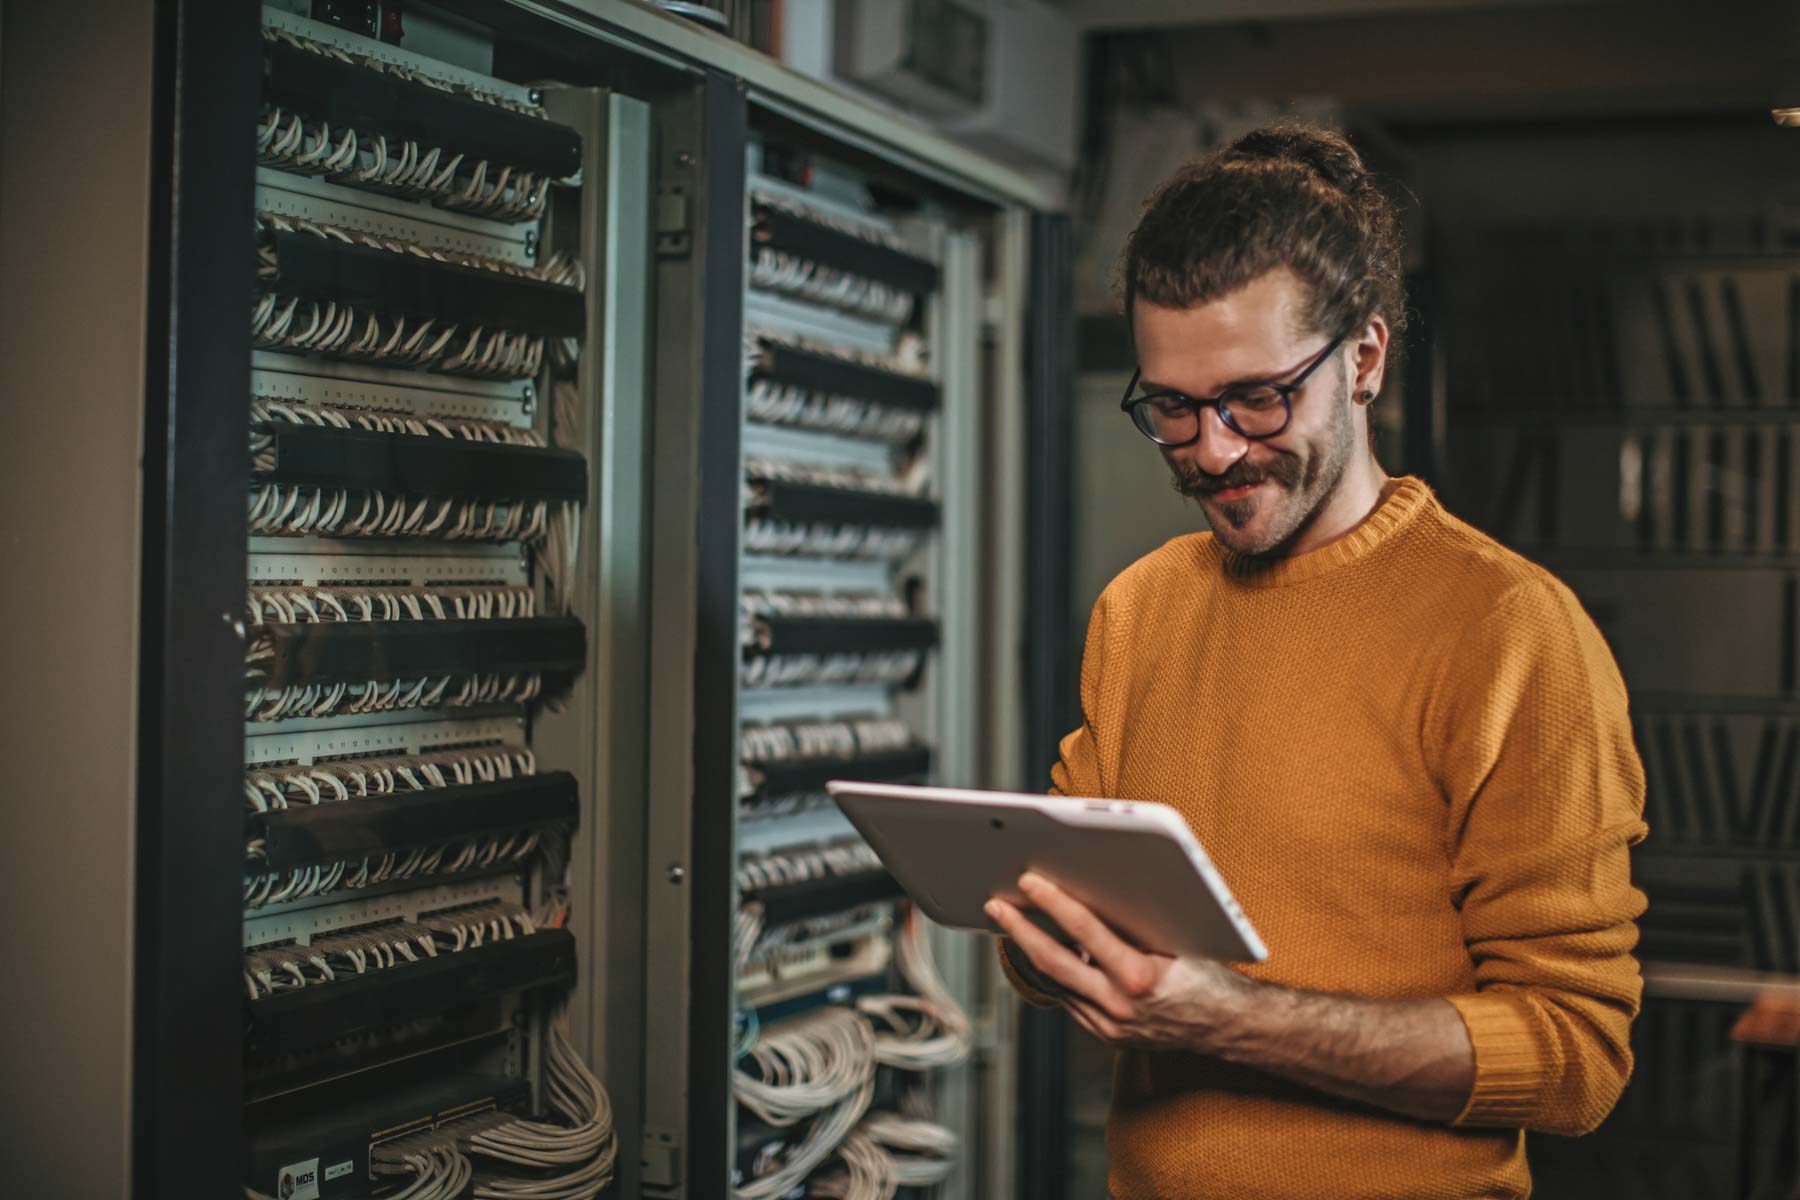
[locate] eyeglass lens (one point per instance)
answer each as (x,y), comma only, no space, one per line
(1175,420)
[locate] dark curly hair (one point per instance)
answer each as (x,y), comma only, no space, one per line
(1286,195)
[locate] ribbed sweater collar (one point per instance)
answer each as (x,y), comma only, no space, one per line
(1407,499)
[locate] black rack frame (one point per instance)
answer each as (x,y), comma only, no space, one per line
(187,1079)
(311,834)
(783,500)
(421,465)
(782,230)
(787,903)
(841,635)
(783,777)
(836,376)
(349,651)
(351,96)
(310,1016)
(325,269)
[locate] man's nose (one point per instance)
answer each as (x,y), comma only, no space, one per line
(1219,445)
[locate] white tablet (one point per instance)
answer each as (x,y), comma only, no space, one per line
(1137,865)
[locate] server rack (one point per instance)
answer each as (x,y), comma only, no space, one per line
(599,674)
(1648,458)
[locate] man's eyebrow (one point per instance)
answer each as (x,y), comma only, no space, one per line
(1150,385)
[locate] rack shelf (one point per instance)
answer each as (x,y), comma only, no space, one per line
(842,635)
(842,377)
(785,777)
(791,902)
(310,834)
(354,97)
(348,651)
(785,501)
(324,269)
(781,230)
(310,1016)
(422,466)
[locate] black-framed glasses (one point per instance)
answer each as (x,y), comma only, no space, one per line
(1251,410)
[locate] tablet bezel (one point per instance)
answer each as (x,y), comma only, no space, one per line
(1136,864)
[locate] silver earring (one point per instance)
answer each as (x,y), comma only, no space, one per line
(1368,396)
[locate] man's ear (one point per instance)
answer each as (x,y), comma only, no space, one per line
(1371,359)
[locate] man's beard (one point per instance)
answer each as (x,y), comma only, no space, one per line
(1301,484)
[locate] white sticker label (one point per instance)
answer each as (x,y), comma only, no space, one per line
(341,1170)
(298,1181)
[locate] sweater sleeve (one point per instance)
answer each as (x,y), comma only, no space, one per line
(1076,773)
(1545,793)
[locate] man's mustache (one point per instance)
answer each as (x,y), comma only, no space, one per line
(1196,483)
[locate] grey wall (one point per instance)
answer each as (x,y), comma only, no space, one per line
(73,205)
(1124,506)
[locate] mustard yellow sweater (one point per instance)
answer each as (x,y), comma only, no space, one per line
(1408,753)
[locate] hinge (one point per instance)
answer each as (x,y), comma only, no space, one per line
(673,239)
(661,1161)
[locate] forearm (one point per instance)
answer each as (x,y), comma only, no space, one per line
(1408,1056)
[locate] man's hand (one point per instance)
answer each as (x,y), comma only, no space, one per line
(1120,994)
(1411,1056)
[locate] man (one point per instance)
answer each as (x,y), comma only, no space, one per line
(1405,747)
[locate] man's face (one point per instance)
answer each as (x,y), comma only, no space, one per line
(1256,494)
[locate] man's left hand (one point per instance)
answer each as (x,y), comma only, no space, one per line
(1120,994)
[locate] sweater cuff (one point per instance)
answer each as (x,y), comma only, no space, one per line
(1509,1065)
(1037,990)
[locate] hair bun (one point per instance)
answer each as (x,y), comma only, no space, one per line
(1328,155)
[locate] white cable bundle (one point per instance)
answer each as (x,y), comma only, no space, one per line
(437,1170)
(395,165)
(771,400)
(273,789)
(504,1157)
(848,857)
(858,479)
(823,739)
(584,1147)
(778,271)
(930,1147)
(945,1035)
(821,540)
(307,605)
(869,605)
(788,670)
(271,969)
(298,604)
(872,1169)
(327,327)
(819,1065)
(909,359)
(870,1172)
(924,1031)
(559,553)
(782,271)
(400,424)
(559,269)
(462,690)
(806,1064)
(789,404)
(293,509)
(864,229)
